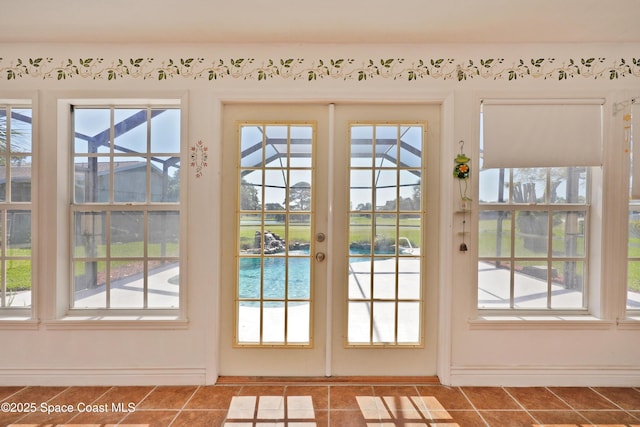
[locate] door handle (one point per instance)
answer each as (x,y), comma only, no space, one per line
(320,256)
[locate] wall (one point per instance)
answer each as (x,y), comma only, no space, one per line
(471,350)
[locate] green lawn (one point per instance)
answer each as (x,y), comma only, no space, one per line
(359,231)
(487,244)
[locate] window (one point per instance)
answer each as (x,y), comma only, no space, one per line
(385,234)
(532,238)
(534,202)
(125,214)
(16,158)
(633,264)
(275,225)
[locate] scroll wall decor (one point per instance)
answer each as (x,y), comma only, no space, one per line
(199,157)
(196,68)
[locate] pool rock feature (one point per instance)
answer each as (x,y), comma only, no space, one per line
(273,243)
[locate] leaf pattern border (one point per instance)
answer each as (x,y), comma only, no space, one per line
(310,70)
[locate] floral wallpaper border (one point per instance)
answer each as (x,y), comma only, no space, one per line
(317,69)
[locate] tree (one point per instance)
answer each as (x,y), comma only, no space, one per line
(249,199)
(300,196)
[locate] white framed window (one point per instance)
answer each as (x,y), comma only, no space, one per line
(533,238)
(633,248)
(534,203)
(125,215)
(16,170)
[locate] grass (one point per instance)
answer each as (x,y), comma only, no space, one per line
(359,231)
(487,245)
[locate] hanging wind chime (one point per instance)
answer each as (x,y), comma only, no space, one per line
(461,172)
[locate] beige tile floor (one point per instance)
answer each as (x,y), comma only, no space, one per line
(319,404)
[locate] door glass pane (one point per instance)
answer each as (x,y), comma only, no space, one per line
(385,235)
(274,285)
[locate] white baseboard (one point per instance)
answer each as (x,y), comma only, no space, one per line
(104,377)
(559,376)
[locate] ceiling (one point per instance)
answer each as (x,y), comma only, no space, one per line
(326,21)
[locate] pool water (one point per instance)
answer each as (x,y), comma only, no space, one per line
(299,276)
(274,273)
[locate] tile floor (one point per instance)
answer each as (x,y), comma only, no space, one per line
(319,404)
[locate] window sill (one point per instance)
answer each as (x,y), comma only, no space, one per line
(16,322)
(538,322)
(117,322)
(630,323)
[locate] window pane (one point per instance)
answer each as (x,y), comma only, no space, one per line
(92,130)
(494,285)
(568,185)
(530,284)
(532,234)
(411,146)
(568,234)
(300,150)
(529,185)
(568,284)
(300,195)
(633,285)
(90,234)
(21,130)
(126,284)
(165,179)
(164,234)
(89,284)
(130,130)
(163,284)
(361,146)
(18,233)
(129,179)
(494,233)
(633,266)
(409,322)
(165,131)
(91,179)
(299,315)
(127,234)
(360,278)
(494,186)
(18,282)
(20,178)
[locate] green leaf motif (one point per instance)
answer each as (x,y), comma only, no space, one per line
(485,63)
(386,63)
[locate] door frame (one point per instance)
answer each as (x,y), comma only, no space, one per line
(449,143)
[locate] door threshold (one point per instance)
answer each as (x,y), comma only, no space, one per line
(230,379)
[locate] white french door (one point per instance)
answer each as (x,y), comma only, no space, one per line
(329,224)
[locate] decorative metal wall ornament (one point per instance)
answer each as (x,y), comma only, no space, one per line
(199,157)
(462,171)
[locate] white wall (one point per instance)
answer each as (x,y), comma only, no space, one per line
(521,353)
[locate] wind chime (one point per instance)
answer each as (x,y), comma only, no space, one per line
(461,172)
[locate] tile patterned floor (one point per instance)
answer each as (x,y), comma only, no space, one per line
(298,404)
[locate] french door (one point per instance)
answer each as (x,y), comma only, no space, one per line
(329,224)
